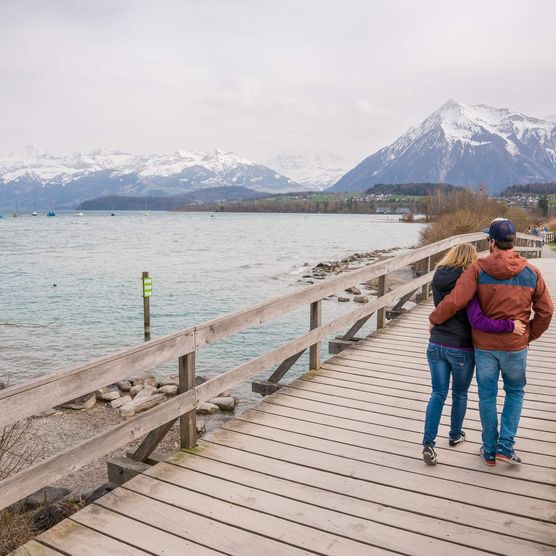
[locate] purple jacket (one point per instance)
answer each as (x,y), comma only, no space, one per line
(478,320)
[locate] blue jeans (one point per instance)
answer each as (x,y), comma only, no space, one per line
(445,362)
(512,365)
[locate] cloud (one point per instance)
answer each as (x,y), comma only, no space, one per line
(261,77)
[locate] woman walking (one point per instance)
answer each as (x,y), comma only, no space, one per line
(450,352)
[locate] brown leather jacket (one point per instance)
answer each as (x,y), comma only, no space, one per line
(507,288)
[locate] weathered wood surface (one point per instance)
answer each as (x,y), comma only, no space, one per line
(331,464)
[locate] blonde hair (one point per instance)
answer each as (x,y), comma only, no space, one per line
(461,256)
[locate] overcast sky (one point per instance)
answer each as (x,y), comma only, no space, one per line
(262,77)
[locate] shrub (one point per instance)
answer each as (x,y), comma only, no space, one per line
(15,529)
(19,448)
(465,212)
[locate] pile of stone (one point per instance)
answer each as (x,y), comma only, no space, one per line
(141,393)
(352,262)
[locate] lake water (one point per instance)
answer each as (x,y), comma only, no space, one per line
(71,288)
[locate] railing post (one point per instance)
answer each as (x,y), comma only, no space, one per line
(315,322)
(188,421)
(425,289)
(380,314)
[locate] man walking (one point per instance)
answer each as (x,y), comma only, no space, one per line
(507,288)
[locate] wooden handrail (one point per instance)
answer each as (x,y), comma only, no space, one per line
(21,401)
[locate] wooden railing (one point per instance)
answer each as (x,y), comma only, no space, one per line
(22,401)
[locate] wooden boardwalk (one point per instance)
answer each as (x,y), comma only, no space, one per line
(331,464)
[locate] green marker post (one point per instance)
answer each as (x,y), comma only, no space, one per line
(147,293)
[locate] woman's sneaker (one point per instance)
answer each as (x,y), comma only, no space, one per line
(489,459)
(429,455)
(459,440)
(512,459)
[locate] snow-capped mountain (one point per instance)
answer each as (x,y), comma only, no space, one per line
(69,180)
(313,170)
(463,145)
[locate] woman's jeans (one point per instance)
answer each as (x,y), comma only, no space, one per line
(445,362)
(512,365)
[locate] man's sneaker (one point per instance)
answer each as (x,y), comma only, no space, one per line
(459,440)
(489,459)
(429,455)
(512,459)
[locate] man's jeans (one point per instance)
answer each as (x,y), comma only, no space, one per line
(512,364)
(443,362)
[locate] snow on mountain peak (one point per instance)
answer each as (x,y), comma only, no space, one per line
(171,173)
(34,162)
(463,144)
(468,124)
(314,170)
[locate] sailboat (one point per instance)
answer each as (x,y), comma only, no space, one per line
(113,208)
(35,213)
(51,211)
(146,213)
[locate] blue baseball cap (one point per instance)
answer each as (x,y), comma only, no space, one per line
(500,229)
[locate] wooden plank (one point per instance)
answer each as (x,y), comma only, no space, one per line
(355,328)
(392,454)
(420,387)
(533,378)
(284,367)
(352,362)
(426,288)
(394,426)
(530,427)
(151,441)
(420,362)
(122,469)
(533,430)
(21,401)
(409,444)
(188,421)
(423,395)
(196,527)
(315,321)
(269,475)
(257,514)
(33,548)
(46,472)
(311,510)
(540,368)
(70,537)
(360,463)
(420,346)
(282,461)
(142,534)
(380,320)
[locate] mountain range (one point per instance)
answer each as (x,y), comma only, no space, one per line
(456,144)
(315,171)
(36,176)
(463,145)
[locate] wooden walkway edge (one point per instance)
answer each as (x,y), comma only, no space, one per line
(331,464)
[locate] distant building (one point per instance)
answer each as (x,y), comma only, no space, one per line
(383,210)
(403,210)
